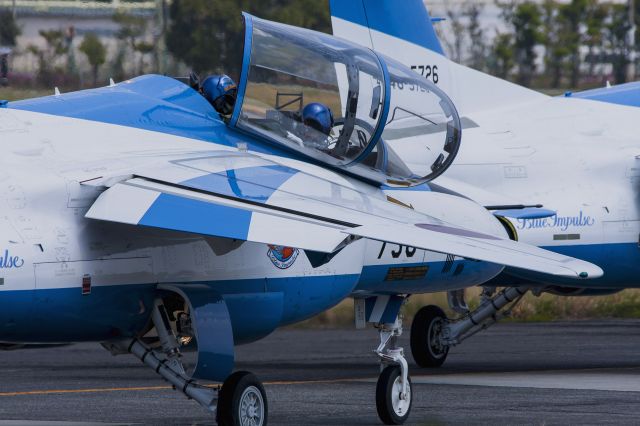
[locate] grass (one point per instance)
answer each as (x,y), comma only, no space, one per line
(547,307)
(14,93)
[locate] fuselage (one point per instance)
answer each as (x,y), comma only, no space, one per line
(577,157)
(68,278)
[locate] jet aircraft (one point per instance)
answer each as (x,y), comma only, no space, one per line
(575,155)
(138,216)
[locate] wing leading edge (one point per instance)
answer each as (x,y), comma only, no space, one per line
(248,198)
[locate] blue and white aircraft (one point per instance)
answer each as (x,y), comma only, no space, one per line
(138,216)
(578,155)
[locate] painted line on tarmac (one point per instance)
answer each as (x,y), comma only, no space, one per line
(619,380)
(91,390)
(156,388)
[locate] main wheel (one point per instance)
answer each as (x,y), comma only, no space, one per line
(242,401)
(393,407)
(426,327)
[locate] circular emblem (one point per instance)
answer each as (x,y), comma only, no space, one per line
(281,256)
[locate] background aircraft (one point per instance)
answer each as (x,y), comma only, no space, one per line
(576,155)
(139,217)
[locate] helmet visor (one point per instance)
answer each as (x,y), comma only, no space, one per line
(224,104)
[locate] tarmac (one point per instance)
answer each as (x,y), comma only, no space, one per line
(542,373)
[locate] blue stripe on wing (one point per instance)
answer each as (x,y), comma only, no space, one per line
(624,94)
(249,183)
(169,212)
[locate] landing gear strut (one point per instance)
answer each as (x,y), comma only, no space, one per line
(393,390)
(241,401)
(432,334)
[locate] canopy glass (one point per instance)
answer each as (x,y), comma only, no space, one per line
(286,69)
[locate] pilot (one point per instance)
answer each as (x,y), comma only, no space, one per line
(318,116)
(221,92)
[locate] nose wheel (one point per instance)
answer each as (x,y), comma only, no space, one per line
(242,401)
(393,398)
(393,391)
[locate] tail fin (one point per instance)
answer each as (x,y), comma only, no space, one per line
(404,31)
(406,20)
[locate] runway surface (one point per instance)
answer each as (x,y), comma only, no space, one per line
(545,373)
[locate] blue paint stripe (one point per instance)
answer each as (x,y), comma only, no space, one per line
(187,215)
(619,261)
(526,213)
(407,20)
(65,315)
(249,183)
(390,311)
(150,102)
(625,94)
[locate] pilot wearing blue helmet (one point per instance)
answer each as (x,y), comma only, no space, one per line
(317,120)
(317,116)
(221,92)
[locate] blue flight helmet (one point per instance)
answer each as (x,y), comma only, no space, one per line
(318,116)
(221,92)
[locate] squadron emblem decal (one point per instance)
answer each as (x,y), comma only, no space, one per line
(281,256)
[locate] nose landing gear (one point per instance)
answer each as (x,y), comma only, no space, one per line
(393,404)
(393,390)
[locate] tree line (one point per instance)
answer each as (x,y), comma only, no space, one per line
(549,43)
(204,35)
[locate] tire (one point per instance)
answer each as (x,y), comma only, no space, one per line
(392,410)
(242,401)
(426,325)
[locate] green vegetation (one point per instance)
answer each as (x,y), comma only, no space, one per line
(583,42)
(96,53)
(207,35)
(9,29)
(14,93)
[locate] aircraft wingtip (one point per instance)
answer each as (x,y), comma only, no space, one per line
(589,271)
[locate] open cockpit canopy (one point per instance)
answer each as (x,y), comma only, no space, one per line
(386,123)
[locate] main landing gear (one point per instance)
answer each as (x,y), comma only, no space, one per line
(240,401)
(432,333)
(393,390)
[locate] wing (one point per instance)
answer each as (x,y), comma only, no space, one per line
(247,197)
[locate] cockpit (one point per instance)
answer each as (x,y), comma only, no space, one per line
(343,105)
